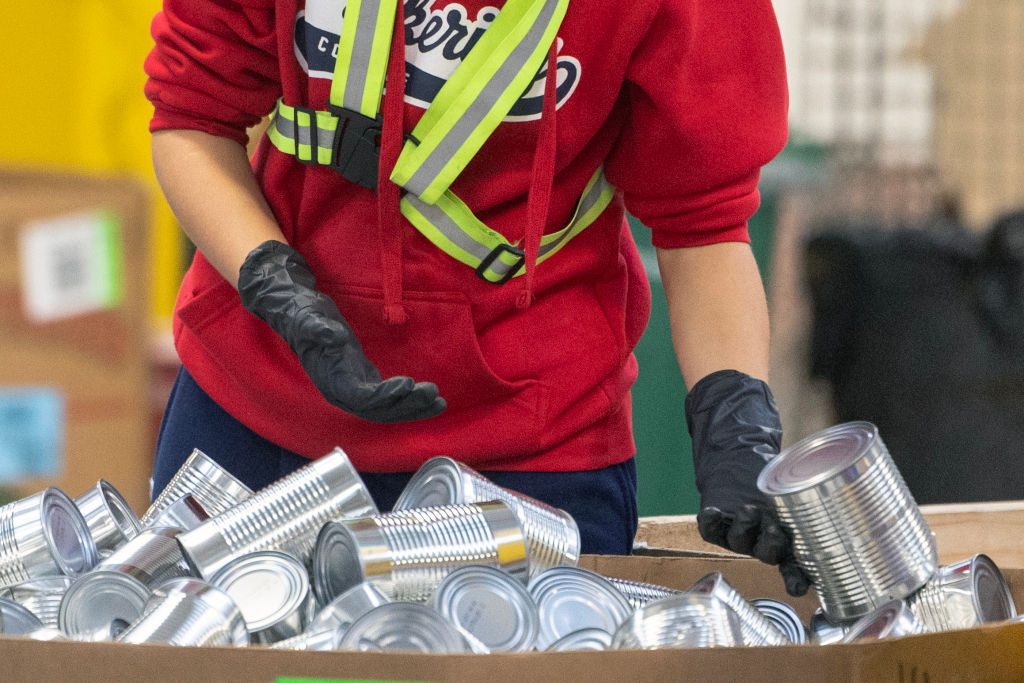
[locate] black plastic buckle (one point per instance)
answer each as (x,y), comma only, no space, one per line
(356,146)
(495,253)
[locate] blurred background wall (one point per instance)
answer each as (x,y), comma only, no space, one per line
(876,227)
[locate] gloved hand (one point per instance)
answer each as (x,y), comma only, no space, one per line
(735,429)
(276,285)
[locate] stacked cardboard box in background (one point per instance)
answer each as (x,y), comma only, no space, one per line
(74,331)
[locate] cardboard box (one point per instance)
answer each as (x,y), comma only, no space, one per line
(78,339)
(961,531)
(987,653)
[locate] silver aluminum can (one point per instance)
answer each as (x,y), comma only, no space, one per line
(111,520)
(963,595)
(44,535)
(824,631)
(552,533)
(756,628)
(569,599)
(892,619)
(47,633)
(186,611)
(40,596)
(687,620)
(489,605)
(407,553)
(216,489)
(286,516)
(857,531)
(314,641)
(639,593)
(117,590)
(339,613)
(272,590)
(593,639)
(784,617)
(186,513)
(404,627)
(17,620)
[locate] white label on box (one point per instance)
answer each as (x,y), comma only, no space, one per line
(71,264)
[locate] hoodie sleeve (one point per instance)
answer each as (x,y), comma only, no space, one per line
(708,107)
(214,66)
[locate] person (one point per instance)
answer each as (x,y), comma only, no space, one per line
(363,319)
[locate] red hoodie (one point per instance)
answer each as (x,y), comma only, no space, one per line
(682,101)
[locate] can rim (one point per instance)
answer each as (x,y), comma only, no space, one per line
(439,475)
(818,458)
(499,583)
(71,562)
(281,566)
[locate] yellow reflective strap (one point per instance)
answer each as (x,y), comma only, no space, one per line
(363,49)
(453,228)
(477,96)
(292,131)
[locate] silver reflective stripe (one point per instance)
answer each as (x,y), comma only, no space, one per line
(362,47)
(447,226)
(285,127)
(587,202)
(475,113)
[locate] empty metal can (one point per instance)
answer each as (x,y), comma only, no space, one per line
(639,593)
(339,613)
(216,489)
(593,639)
(110,518)
(784,617)
(17,620)
(569,599)
(286,516)
(489,605)
(892,619)
(681,621)
(118,589)
(403,627)
(552,533)
(824,631)
(408,552)
(755,627)
(44,535)
(963,595)
(186,513)
(856,529)
(272,590)
(40,596)
(312,640)
(186,611)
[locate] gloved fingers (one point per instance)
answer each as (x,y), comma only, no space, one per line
(418,401)
(773,545)
(797,582)
(403,413)
(745,529)
(713,526)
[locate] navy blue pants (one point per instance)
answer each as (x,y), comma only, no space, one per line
(602,501)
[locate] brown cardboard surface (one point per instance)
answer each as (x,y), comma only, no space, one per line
(97,360)
(961,530)
(987,653)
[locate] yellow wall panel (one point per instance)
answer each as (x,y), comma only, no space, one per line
(72,97)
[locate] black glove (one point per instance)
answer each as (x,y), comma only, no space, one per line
(276,285)
(735,429)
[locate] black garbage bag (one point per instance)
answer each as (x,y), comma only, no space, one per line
(922,333)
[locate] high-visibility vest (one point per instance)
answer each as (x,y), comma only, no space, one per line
(462,116)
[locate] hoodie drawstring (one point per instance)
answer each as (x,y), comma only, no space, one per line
(389,216)
(538,201)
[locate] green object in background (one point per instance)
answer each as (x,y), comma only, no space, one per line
(664,462)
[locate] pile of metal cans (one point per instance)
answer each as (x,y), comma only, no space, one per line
(460,565)
(861,538)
